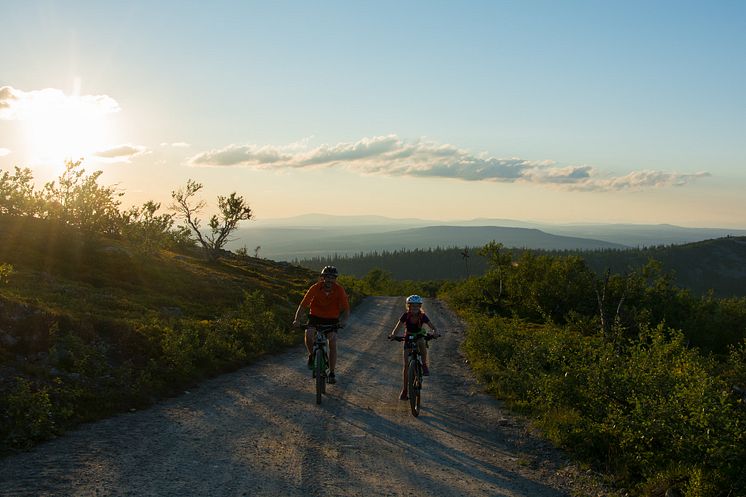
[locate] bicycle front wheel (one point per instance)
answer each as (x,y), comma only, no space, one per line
(320,370)
(413,386)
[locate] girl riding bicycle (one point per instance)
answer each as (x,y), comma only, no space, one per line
(413,320)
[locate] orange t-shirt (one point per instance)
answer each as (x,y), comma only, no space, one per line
(323,305)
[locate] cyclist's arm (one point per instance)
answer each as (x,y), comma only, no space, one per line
(396,328)
(301,313)
(304,307)
(430,324)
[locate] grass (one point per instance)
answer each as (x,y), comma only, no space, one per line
(90,326)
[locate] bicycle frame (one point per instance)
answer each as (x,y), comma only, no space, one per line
(414,369)
(320,357)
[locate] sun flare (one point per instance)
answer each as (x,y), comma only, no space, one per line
(59,127)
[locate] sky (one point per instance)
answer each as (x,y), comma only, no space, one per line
(550,111)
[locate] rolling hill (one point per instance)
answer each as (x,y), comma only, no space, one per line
(316,235)
(298,243)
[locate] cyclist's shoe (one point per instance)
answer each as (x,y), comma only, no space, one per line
(403,395)
(425,370)
(310,360)
(331,379)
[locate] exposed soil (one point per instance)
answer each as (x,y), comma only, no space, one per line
(259,432)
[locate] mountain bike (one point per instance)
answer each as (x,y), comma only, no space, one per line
(320,357)
(414,369)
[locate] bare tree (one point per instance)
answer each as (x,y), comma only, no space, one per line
(601,299)
(233,209)
(608,326)
(465,255)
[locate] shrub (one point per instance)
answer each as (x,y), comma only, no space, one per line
(638,411)
(27,415)
(5,271)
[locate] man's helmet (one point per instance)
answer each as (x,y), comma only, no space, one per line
(330,271)
(414,299)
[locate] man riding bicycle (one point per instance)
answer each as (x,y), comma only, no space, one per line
(327,303)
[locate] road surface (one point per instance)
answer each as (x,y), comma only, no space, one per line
(259,432)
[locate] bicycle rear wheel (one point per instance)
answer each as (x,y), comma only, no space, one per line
(413,387)
(319,369)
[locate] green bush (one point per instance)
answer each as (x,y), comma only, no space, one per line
(5,271)
(634,412)
(94,369)
(27,415)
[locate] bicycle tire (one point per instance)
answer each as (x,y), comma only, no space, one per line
(414,391)
(319,368)
(325,373)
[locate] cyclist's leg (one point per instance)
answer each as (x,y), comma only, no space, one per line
(422,347)
(310,339)
(403,394)
(332,337)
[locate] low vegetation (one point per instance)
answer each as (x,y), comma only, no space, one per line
(636,377)
(104,310)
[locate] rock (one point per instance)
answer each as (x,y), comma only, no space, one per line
(7,340)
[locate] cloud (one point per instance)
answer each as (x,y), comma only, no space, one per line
(639,180)
(175,144)
(244,155)
(23,105)
(121,152)
(390,155)
(8,98)
(4,152)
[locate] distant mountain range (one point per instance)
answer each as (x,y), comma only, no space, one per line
(318,235)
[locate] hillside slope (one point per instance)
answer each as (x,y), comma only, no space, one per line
(90,326)
(300,243)
(718,265)
(57,267)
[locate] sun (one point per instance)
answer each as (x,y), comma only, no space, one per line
(60,127)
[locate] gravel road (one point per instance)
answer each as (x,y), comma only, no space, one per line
(259,432)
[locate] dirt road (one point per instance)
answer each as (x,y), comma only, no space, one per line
(258,432)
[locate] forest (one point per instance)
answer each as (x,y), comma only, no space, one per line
(633,375)
(710,265)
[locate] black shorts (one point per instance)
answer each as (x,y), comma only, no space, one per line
(314,320)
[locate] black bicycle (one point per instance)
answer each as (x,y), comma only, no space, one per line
(414,369)
(320,365)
